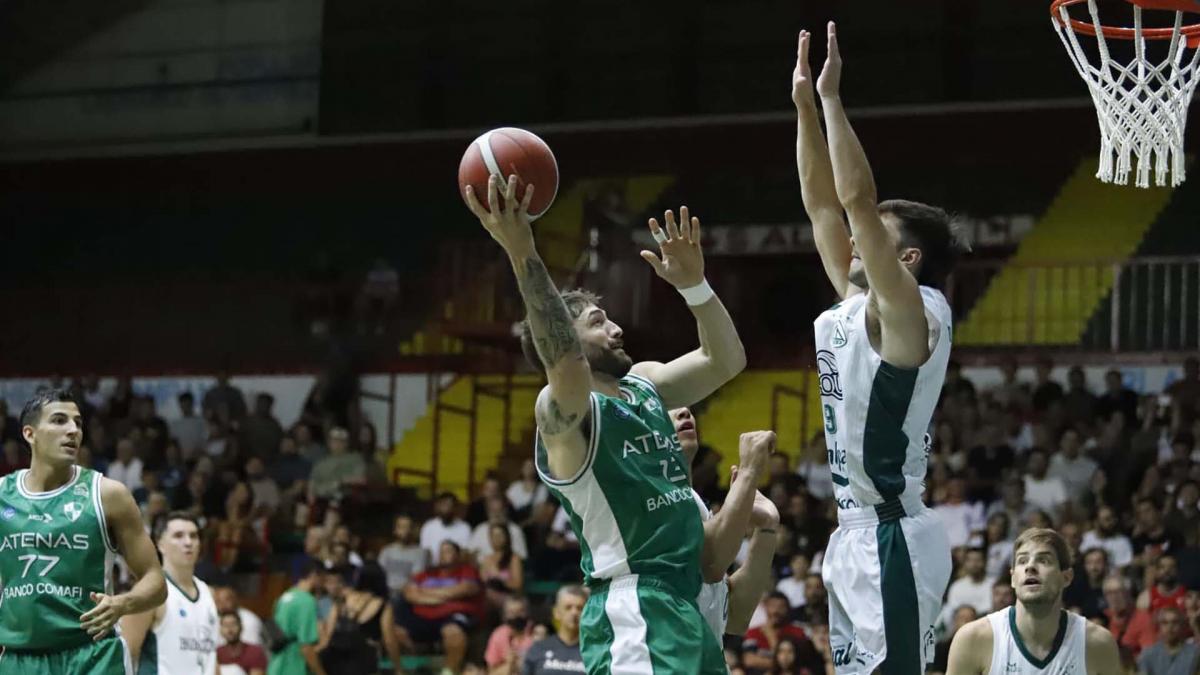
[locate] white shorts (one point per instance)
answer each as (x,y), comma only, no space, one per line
(885,582)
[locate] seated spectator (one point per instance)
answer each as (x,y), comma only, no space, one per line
(1184,519)
(1165,590)
(150,484)
(1012,503)
(1085,594)
(1131,627)
(226,600)
(1045,390)
(233,652)
(261,432)
(1080,402)
(188,430)
(1150,537)
(792,585)
(444,525)
(1042,490)
(340,470)
(558,654)
(263,491)
(960,519)
(497,514)
(307,446)
(987,464)
(973,588)
(126,468)
(502,571)
(963,615)
(816,601)
(998,544)
(290,471)
(1116,398)
(795,657)
(238,547)
(508,643)
(1191,608)
(444,601)
(352,633)
(526,492)
(1003,594)
(1173,654)
(14,459)
(402,558)
(759,646)
(1071,466)
(1107,536)
(477,511)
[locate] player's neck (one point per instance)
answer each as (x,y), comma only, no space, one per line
(1038,624)
(183,576)
(605,384)
(45,477)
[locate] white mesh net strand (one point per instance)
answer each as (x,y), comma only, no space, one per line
(1141,106)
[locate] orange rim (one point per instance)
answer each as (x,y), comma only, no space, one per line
(1192,32)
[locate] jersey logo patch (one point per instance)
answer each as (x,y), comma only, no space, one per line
(73,510)
(839,335)
(81,490)
(40,517)
(827,374)
(8,513)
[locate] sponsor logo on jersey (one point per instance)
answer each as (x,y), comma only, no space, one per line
(73,510)
(8,513)
(668,498)
(827,375)
(652,405)
(81,489)
(839,335)
(40,517)
(646,443)
(77,542)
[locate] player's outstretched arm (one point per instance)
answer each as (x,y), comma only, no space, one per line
(724,532)
(971,649)
(816,179)
(720,356)
(751,580)
(125,526)
(566,402)
(1102,655)
(905,331)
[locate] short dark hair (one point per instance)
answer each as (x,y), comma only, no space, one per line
(31,414)
(776,595)
(576,301)
(309,566)
(932,230)
(160,525)
(233,613)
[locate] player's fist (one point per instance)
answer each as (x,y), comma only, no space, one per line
(754,447)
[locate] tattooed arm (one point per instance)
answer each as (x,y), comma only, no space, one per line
(562,406)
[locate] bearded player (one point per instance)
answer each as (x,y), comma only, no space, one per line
(60,526)
(1035,636)
(881,358)
(607,449)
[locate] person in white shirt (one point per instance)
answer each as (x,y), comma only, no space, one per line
(527,491)
(999,545)
(126,469)
(960,518)
(973,588)
(793,586)
(1071,466)
(1106,536)
(226,600)
(1045,492)
(188,430)
(444,525)
(497,514)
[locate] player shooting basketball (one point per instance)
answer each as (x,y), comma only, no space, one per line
(608,450)
(881,353)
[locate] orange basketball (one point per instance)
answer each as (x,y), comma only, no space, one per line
(506,152)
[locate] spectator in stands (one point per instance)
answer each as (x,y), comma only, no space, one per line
(1185,392)
(157,506)
(987,463)
(999,545)
(445,600)
(956,384)
(1150,536)
(508,643)
(224,401)
(173,472)
(1079,402)
(338,471)
(760,643)
(973,588)
(126,468)
(352,633)
(960,519)
(793,657)
(226,600)
(502,570)
(234,652)
(559,653)
(402,558)
(1172,654)
(444,525)
(14,459)
(792,585)
(1045,389)
(1116,398)
(152,428)
(261,432)
(1131,627)
(217,443)
(497,514)
(290,471)
(1184,519)
(477,511)
(526,492)
(1042,490)
(1011,391)
(188,430)
(264,492)
(10,428)
(1085,594)
(1003,594)
(963,615)
(816,601)
(238,547)
(1107,536)
(779,468)
(1191,608)
(1071,466)
(296,615)
(1165,589)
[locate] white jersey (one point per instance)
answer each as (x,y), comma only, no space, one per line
(1010,657)
(713,599)
(185,641)
(876,415)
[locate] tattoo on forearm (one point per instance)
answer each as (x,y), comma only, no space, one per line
(553,420)
(553,330)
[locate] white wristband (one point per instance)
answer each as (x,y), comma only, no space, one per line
(698,294)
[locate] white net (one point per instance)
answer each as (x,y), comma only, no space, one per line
(1141,105)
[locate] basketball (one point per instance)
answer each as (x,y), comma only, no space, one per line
(507,152)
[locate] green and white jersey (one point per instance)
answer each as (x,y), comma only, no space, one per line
(54,551)
(630,504)
(877,415)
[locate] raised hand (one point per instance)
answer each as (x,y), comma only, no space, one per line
(802,85)
(754,447)
(508,221)
(830,81)
(682,261)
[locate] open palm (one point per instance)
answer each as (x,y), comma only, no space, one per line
(830,80)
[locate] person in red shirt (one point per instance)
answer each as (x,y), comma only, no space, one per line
(446,601)
(1166,590)
(1131,627)
(759,646)
(250,658)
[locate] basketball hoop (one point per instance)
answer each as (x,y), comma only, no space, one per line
(1141,106)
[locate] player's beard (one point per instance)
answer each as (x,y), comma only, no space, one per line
(1042,597)
(610,362)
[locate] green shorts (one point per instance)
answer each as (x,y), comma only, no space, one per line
(638,625)
(107,657)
